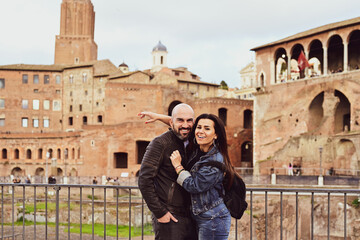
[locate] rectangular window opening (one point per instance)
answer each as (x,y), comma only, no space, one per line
(120,160)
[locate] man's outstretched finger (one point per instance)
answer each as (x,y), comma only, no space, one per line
(173,218)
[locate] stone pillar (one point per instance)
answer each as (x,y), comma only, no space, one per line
(329,106)
(325,61)
(289,68)
(306,69)
(345,56)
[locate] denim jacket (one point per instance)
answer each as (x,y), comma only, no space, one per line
(203,183)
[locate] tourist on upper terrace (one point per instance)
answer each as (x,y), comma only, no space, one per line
(168,201)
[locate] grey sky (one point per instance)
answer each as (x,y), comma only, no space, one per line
(212,38)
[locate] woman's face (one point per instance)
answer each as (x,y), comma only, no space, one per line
(205,134)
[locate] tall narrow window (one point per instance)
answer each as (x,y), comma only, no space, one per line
(40,153)
(71,79)
(36,104)
(85,120)
(2,83)
(80,107)
(25,78)
(2,103)
(35,123)
(16,154)
(99,119)
(84,77)
(28,154)
(70,109)
(36,79)
(2,122)
(223,115)
(25,104)
(46,123)
(46,104)
(58,79)
(4,153)
(70,121)
(24,122)
(46,79)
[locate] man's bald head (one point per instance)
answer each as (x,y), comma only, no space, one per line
(182,120)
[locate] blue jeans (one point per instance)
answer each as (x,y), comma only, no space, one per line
(214,223)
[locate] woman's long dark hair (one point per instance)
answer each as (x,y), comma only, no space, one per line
(221,141)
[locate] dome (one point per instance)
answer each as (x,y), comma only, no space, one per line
(123,65)
(159,47)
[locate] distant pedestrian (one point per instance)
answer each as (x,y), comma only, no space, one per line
(95,181)
(290,170)
(27,180)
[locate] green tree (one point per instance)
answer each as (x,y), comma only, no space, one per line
(223,85)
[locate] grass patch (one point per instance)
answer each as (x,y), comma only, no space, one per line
(111,229)
(29,208)
(356,203)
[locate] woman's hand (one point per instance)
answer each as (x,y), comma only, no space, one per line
(176,159)
(152,117)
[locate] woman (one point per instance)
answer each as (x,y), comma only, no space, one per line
(205,182)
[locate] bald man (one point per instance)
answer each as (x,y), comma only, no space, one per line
(168,201)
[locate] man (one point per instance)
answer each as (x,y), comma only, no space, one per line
(168,201)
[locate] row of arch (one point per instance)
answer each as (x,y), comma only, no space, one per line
(67,153)
(19,172)
(335,55)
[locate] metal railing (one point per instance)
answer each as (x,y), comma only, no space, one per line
(47,211)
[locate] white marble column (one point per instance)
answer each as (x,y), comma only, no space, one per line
(306,69)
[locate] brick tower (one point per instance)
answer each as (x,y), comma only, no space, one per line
(75,44)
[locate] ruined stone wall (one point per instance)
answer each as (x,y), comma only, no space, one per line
(286,128)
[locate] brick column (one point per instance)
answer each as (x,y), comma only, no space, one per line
(345,56)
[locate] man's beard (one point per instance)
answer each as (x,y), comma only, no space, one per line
(178,134)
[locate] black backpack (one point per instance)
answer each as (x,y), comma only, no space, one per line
(235,191)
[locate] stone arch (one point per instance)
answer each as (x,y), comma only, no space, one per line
(335,54)
(248,119)
(247,154)
(281,65)
(17,172)
(172,105)
(73,172)
(59,172)
(354,50)
(316,112)
(345,156)
(295,72)
(316,57)
(40,172)
(342,113)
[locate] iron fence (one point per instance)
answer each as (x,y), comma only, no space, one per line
(50,211)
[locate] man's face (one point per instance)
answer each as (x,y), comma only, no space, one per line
(182,122)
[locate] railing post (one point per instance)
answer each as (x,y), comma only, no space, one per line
(57,189)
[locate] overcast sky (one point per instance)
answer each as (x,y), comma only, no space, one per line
(212,38)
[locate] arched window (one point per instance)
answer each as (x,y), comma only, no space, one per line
(59,153)
(223,115)
(335,54)
(161,60)
(28,154)
(16,154)
(73,153)
(4,153)
(40,153)
(248,119)
(171,106)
